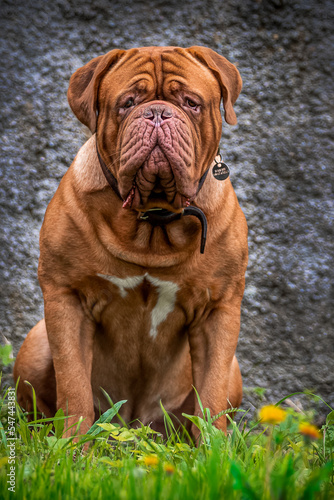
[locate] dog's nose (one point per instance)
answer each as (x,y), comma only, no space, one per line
(158,113)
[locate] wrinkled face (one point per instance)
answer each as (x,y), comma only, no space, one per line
(159,126)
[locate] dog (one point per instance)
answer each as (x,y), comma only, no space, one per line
(143,248)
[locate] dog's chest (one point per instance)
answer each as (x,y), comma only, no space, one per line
(143,302)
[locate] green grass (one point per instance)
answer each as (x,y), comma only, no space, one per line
(254,461)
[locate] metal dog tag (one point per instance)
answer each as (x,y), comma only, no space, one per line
(220,170)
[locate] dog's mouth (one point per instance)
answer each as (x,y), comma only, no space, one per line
(157,159)
(155,186)
(156,199)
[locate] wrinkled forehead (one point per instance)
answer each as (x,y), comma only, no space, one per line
(159,66)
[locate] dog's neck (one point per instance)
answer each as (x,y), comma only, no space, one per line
(141,242)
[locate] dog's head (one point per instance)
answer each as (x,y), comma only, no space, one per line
(156,112)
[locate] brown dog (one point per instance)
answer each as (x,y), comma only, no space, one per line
(131,303)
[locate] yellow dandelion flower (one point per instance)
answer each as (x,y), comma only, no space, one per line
(169,469)
(272,414)
(309,430)
(150,460)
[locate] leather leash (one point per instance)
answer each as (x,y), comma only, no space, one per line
(162,216)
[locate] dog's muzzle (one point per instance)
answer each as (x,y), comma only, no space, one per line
(156,158)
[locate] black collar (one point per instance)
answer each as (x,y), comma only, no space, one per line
(108,175)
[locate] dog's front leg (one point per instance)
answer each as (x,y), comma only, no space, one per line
(70,334)
(215,369)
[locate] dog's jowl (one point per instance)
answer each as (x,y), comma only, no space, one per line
(143,250)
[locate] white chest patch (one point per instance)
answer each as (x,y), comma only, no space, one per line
(167,291)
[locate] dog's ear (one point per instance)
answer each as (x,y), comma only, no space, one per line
(227,75)
(84,85)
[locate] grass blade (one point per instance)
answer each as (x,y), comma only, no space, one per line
(105,418)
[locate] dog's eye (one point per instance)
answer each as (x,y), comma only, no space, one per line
(129,103)
(191,104)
